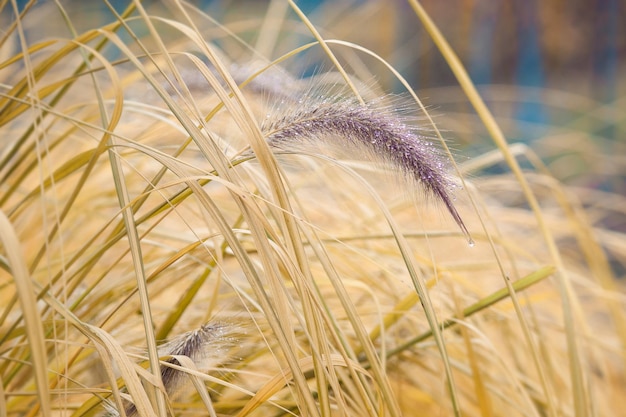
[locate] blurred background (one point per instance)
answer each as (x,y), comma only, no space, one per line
(553,72)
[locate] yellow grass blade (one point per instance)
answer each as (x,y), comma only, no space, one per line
(519,285)
(279,381)
(579,391)
(32,320)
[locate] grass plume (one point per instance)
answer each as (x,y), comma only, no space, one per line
(375,129)
(206,347)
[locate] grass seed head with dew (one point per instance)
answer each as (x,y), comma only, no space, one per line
(380,129)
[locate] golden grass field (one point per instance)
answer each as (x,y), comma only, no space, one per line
(261,217)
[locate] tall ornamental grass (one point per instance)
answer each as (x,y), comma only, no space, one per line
(248,218)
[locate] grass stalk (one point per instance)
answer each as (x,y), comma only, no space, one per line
(579,392)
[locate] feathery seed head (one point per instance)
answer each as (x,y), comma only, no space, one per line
(377,130)
(209,342)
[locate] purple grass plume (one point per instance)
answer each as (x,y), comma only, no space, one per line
(378,130)
(206,345)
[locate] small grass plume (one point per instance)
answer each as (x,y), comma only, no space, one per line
(188,228)
(201,348)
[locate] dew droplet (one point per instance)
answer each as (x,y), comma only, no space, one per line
(471,242)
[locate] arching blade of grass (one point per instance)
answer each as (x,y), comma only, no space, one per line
(111,354)
(580,394)
(32,319)
(486,302)
(276,383)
